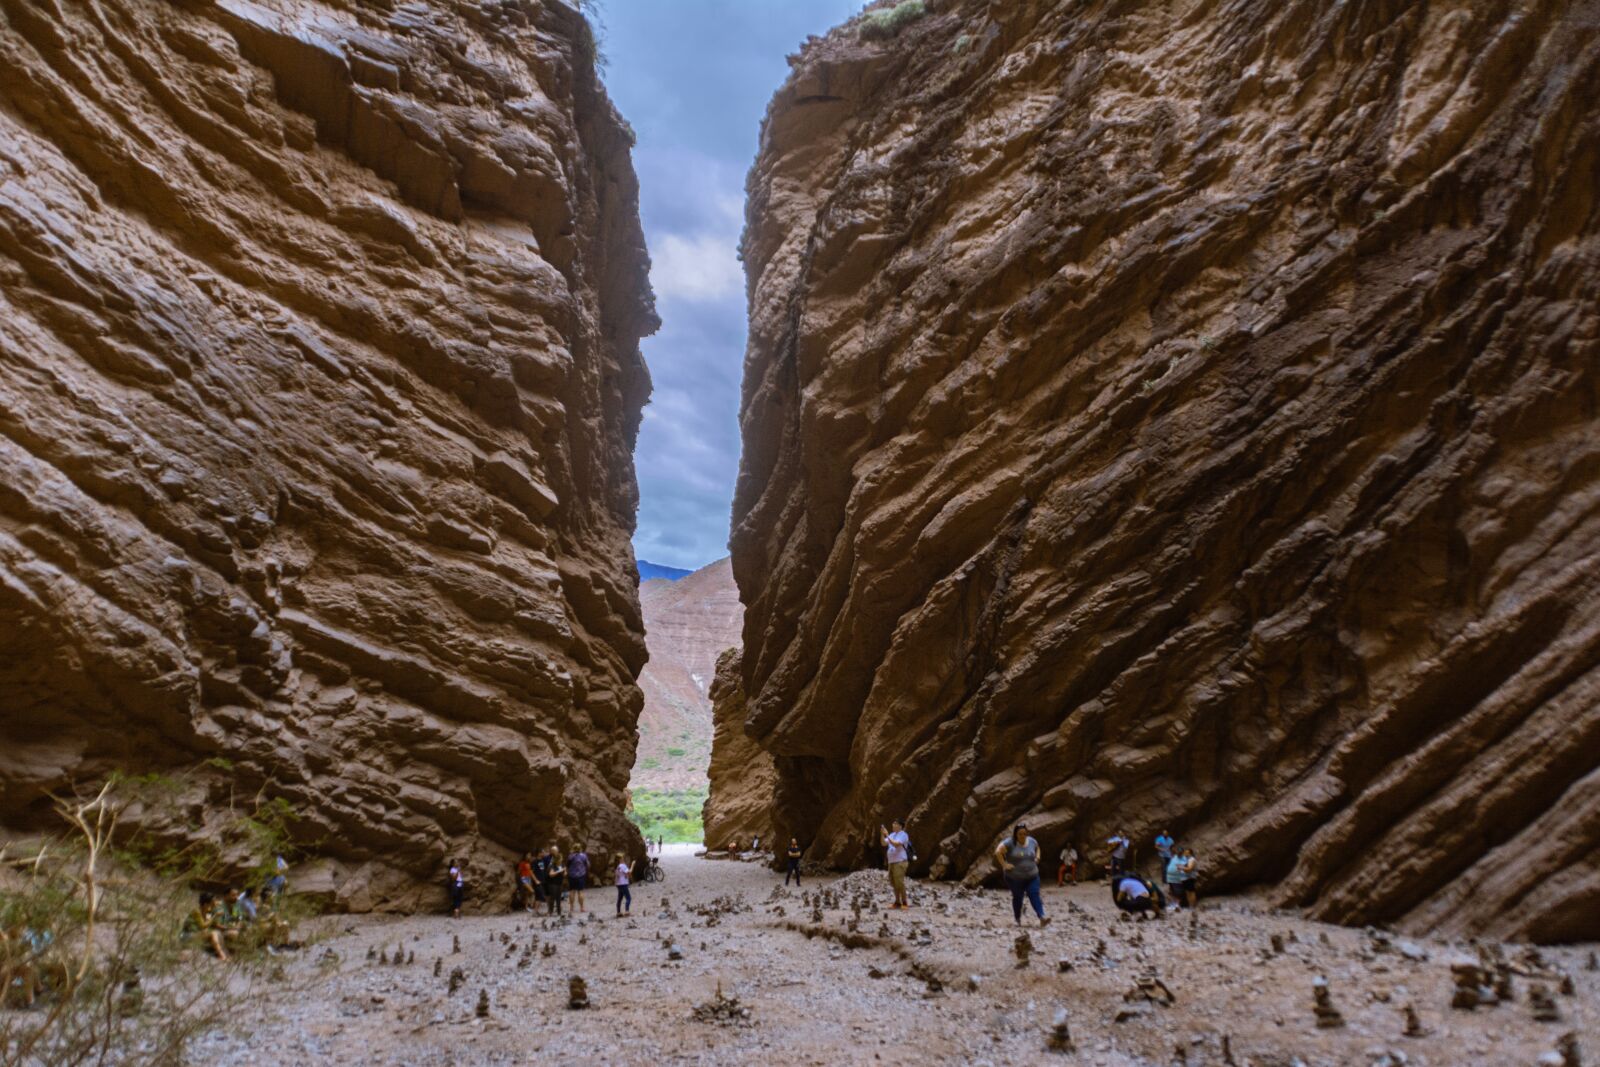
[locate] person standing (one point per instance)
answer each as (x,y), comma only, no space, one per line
(1018,856)
(1164,845)
(897,851)
(1185,887)
(578,876)
(523,898)
(793,856)
(555,886)
(280,879)
(1118,844)
(456,883)
(624,893)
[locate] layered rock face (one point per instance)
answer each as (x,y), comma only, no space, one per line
(743,777)
(1186,414)
(319,381)
(688,624)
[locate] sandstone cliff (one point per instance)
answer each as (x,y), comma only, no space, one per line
(319,381)
(743,778)
(688,623)
(1187,414)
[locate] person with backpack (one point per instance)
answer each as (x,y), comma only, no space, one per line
(578,876)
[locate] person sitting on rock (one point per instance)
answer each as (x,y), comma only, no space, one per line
(201,924)
(1136,896)
(1069,866)
(279,882)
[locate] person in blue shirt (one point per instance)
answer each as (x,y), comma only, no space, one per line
(1181,877)
(1164,845)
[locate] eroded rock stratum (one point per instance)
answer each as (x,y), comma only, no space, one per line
(1185,414)
(319,380)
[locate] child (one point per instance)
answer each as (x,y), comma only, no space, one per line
(624,893)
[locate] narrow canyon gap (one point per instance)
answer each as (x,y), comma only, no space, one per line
(1184,415)
(319,382)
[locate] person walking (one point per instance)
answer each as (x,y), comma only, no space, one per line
(1069,866)
(578,876)
(1018,856)
(624,893)
(456,883)
(793,856)
(897,851)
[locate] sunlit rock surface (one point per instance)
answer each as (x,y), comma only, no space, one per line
(319,381)
(1185,414)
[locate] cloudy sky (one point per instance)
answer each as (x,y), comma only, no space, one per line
(694,78)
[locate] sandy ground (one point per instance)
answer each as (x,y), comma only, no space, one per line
(817,994)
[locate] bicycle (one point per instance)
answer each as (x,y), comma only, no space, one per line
(652,873)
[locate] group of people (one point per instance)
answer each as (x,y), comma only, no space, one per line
(547,879)
(1018,857)
(1177,871)
(234,921)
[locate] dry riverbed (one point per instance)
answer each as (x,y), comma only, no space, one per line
(937,984)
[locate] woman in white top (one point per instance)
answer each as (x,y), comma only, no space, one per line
(624,893)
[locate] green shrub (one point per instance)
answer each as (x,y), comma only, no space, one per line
(887,22)
(671,814)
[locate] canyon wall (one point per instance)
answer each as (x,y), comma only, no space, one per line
(743,778)
(1186,415)
(319,382)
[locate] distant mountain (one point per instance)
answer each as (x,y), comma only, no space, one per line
(688,623)
(648,570)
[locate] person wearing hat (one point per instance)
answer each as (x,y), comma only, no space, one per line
(1018,856)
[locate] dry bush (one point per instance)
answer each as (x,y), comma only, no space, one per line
(92,937)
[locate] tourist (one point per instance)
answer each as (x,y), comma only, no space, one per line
(554,888)
(1018,857)
(793,857)
(1164,844)
(578,876)
(541,877)
(897,846)
(1136,896)
(1186,886)
(1069,866)
(279,881)
(237,907)
(456,883)
(202,923)
(522,900)
(755,843)
(624,894)
(1118,845)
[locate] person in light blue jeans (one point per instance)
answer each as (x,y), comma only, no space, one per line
(1018,856)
